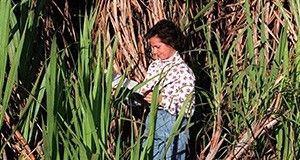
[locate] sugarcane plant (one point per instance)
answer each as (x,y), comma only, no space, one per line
(57,100)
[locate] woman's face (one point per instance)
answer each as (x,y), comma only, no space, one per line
(161,50)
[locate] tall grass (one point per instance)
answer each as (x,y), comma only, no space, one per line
(4,49)
(253,102)
(253,97)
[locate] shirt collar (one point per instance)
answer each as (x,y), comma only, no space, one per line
(174,58)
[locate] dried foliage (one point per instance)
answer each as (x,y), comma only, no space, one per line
(266,13)
(129,20)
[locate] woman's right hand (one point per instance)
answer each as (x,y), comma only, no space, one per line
(148,97)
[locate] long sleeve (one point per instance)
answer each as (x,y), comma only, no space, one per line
(178,85)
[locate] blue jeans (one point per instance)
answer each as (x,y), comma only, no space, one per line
(163,130)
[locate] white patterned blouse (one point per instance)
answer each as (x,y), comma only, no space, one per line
(176,83)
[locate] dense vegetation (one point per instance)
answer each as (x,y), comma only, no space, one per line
(57,59)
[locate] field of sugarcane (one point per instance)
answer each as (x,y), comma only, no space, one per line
(56,65)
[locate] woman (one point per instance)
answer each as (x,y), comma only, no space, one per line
(177,83)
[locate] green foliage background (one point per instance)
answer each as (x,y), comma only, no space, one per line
(57,60)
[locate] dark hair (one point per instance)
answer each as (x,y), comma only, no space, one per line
(169,34)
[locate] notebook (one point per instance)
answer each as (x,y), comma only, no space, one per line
(135,98)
